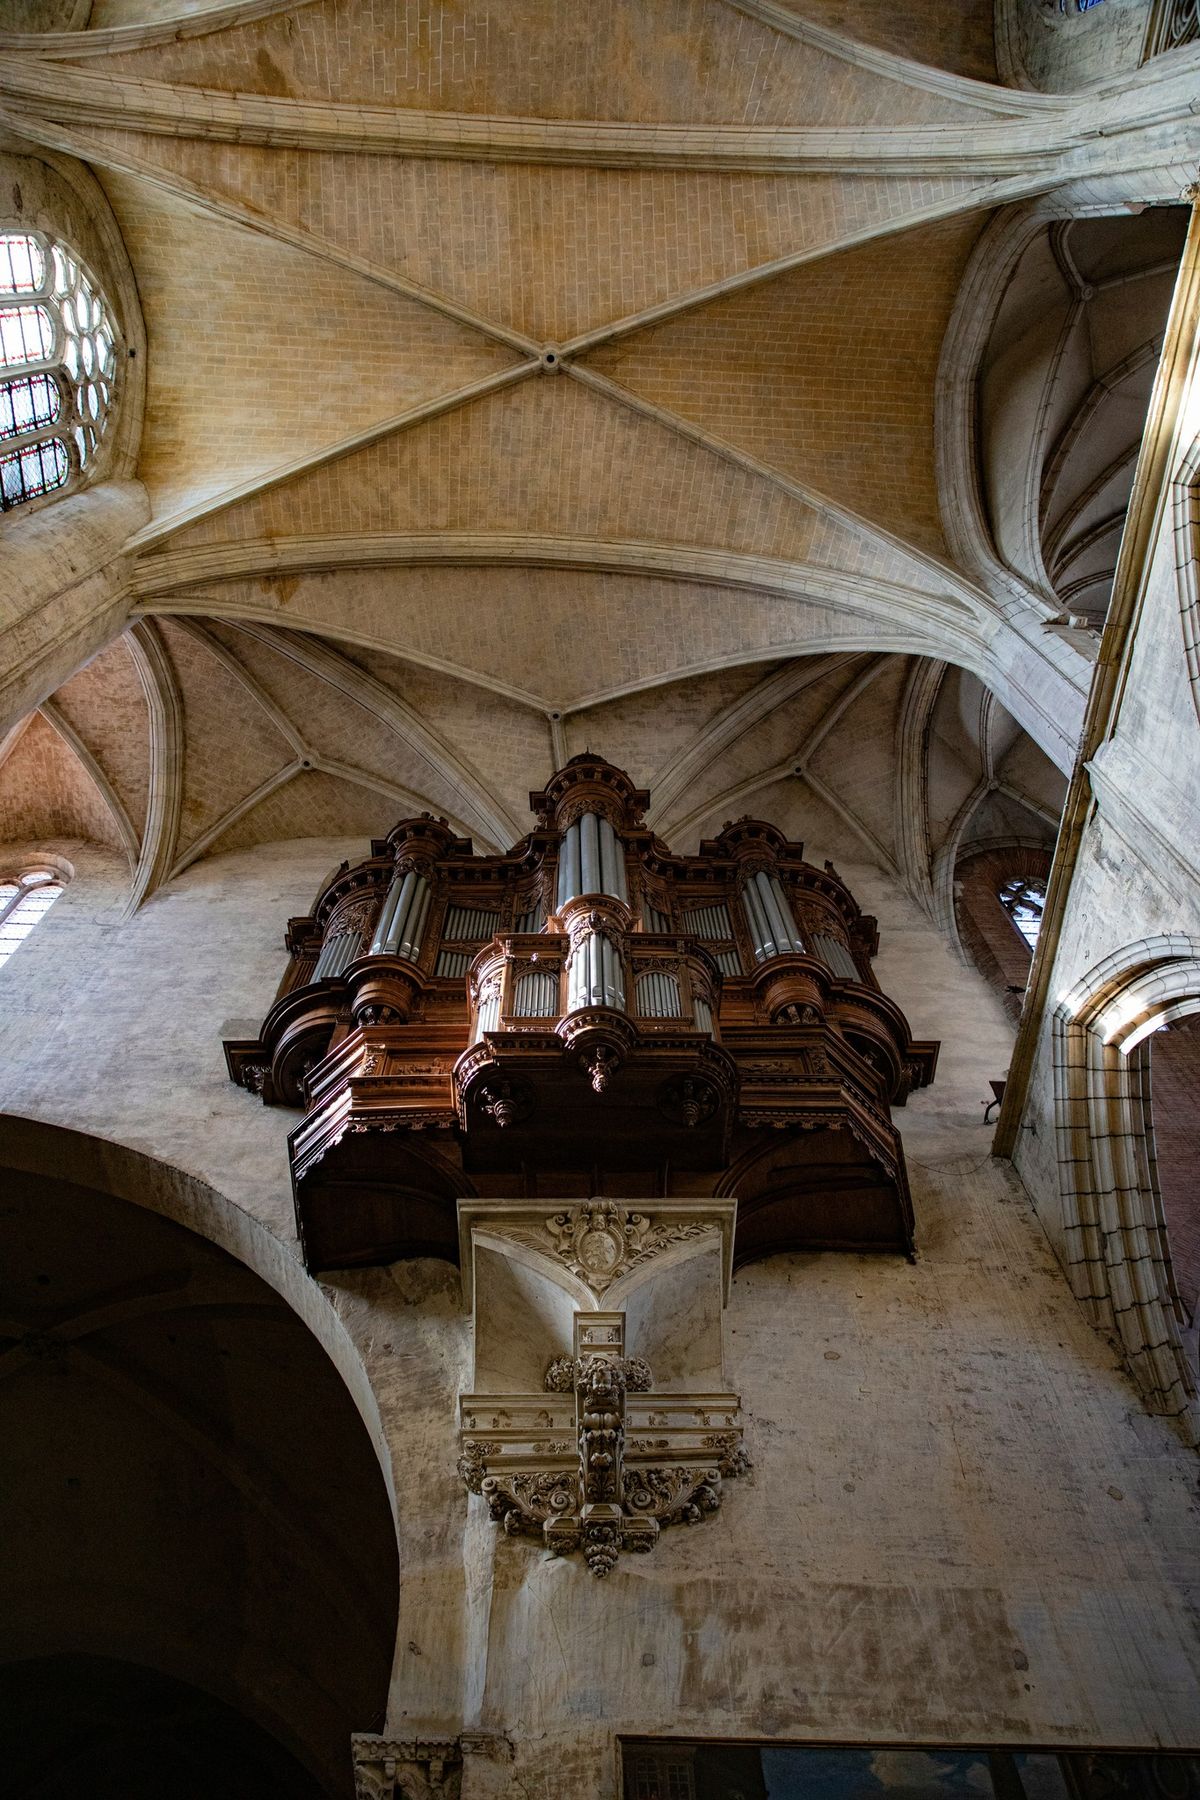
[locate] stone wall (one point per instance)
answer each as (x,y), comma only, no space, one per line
(960,1525)
(1058,48)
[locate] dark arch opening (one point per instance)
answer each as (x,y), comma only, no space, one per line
(85,1724)
(189,1494)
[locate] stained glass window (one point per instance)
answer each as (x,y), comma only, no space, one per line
(24,474)
(24,899)
(1023,901)
(25,404)
(58,351)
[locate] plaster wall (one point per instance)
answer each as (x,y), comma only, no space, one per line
(960,1524)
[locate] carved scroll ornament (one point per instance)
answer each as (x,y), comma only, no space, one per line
(599,1241)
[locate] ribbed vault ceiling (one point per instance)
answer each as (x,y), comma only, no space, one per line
(515,386)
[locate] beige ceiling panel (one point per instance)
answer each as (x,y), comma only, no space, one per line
(954,752)
(1000,818)
(548,456)
(105,705)
(563,637)
(107,13)
(259,353)
(353,730)
(781,734)
(509,743)
(798,812)
(856,761)
(314,805)
(1028,770)
(959,38)
(549,251)
(644,733)
(689,60)
(45,792)
(231,744)
(826,372)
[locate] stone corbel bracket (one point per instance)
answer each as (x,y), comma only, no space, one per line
(406,1768)
(590,1454)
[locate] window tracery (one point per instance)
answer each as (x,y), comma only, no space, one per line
(57,367)
(1023,899)
(25,899)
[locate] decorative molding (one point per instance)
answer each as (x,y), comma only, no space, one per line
(598,1501)
(600,1240)
(406,1768)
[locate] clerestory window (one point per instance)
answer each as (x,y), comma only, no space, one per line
(1023,899)
(24,899)
(57,367)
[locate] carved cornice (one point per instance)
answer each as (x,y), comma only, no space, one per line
(406,1768)
(605,1245)
(601,1240)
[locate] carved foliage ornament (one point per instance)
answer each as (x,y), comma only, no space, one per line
(406,1769)
(599,1507)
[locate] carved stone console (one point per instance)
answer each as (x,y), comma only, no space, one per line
(600,1412)
(406,1768)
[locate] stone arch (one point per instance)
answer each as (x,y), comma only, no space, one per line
(199,1465)
(56,1151)
(1117,1248)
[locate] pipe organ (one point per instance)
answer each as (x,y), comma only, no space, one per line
(596,1075)
(589,1013)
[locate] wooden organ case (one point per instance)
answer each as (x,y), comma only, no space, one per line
(587,1014)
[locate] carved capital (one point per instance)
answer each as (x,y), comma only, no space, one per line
(406,1769)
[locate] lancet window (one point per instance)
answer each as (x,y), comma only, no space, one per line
(24,900)
(57,367)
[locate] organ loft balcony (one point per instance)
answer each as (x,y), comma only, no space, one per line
(589,1014)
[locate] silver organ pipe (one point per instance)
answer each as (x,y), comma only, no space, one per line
(595,976)
(761,940)
(487,1014)
(400,890)
(591,861)
(535,995)
(658,997)
(336,952)
(414,930)
(612,863)
(769,913)
(589,855)
(835,956)
(402,922)
(779,912)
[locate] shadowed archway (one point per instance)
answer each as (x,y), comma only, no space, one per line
(195,1496)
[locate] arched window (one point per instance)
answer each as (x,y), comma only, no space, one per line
(1023,899)
(999,893)
(57,367)
(24,899)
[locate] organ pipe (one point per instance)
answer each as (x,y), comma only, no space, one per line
(402,921)
(591,861)
(596,977)
(769,914)
(336,952)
